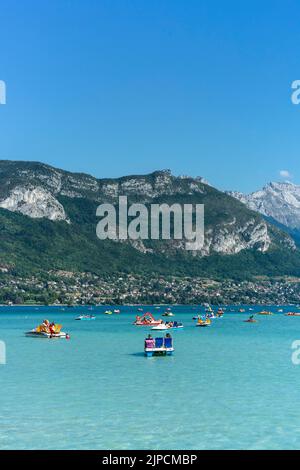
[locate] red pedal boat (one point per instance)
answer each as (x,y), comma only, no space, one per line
(146,320)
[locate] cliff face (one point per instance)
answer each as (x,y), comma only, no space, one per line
(40,191)
(35,202)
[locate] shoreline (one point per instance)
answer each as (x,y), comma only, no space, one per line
(87,306)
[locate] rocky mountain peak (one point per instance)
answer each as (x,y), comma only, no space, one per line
(279,200)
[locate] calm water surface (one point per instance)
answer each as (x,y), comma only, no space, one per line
(230,386)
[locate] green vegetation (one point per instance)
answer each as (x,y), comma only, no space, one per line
(36,246)
(39,245)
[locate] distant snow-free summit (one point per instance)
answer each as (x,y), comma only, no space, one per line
(281,201)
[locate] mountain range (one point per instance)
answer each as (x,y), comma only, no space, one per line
(48,222)
(279,202)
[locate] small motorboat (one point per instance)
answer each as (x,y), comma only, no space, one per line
(169,326)
(86,317)
(161,326)
(117,310)
(168,314)
(108,312)
(242,310)
(292,314)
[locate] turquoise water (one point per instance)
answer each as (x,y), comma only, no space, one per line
(230,386)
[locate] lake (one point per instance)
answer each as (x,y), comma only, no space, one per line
(230,386)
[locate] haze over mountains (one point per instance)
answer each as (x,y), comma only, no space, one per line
(48,221)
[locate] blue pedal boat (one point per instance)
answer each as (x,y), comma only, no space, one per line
(161,346)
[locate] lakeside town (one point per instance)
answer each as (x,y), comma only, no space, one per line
(69,288)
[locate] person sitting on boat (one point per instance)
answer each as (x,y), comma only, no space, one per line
(149,342)
(45,326)
(169,339)
(52,329)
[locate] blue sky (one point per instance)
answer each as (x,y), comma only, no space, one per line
(114,87)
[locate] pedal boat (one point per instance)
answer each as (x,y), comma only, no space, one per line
(265,312)
(203,323)
(42,334)
(147,320)
(158,347)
